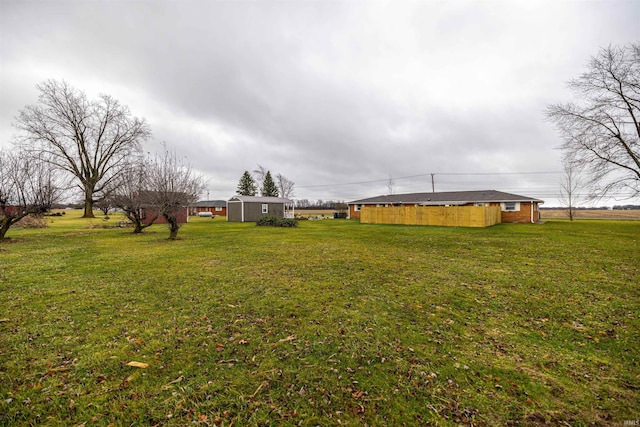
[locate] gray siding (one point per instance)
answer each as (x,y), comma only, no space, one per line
(252,211)
(234,211)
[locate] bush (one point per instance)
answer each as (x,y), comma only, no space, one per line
(272,221)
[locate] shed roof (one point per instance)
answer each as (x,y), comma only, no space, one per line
(449,197)
(210,203)
(257,199)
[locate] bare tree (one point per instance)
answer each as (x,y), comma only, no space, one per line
(89,139)
(285,186)
(173,187)
(132,194)
(259,174)
(602,132)
(27,186)
(570,186)
(105,204)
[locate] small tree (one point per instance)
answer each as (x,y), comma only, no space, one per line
(570,185)
(89,139)
(173,186)
(105,204)
(247,185)
(133,195)
(27,186)
(269,188)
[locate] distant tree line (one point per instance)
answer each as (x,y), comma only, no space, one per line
(320,204)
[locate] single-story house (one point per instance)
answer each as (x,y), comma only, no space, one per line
(148,213)
(10,209)
(216,207)
(252,208)
(514,208)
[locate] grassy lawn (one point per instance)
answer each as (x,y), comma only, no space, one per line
(329,323)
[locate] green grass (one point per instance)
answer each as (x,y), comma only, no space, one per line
(333,322)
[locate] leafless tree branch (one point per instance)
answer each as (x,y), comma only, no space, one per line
(28,185)
(601,134)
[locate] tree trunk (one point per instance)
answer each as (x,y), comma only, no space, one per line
(133,216)
(173,226)
(88,202)
(4,227)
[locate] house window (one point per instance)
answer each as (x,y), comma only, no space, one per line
(511,206)
(265,208)
(218,209)
(357,208)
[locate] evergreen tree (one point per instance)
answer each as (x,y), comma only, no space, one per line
(269,188)
(247,186)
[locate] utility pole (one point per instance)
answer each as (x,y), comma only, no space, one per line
(433,185)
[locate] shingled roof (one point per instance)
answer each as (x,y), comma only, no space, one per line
(446,198)
(258,199)
(210,204)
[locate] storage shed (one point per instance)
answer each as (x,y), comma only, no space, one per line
(252,208)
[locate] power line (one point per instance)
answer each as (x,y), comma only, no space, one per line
(431,175)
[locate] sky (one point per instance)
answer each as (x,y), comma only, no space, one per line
(349,99)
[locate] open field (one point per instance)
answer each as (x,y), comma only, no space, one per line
(591,214)
(331,323)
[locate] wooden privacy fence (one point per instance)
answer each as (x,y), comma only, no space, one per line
(447,216)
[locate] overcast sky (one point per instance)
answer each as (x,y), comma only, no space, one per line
(337,96)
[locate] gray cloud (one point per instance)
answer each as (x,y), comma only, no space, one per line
(324,92)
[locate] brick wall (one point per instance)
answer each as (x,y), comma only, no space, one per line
(353,214)
(523,215)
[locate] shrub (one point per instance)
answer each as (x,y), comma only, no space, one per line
(267,221)
(287,222)
(275,222)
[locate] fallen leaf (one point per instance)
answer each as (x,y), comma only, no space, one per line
(138,365)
